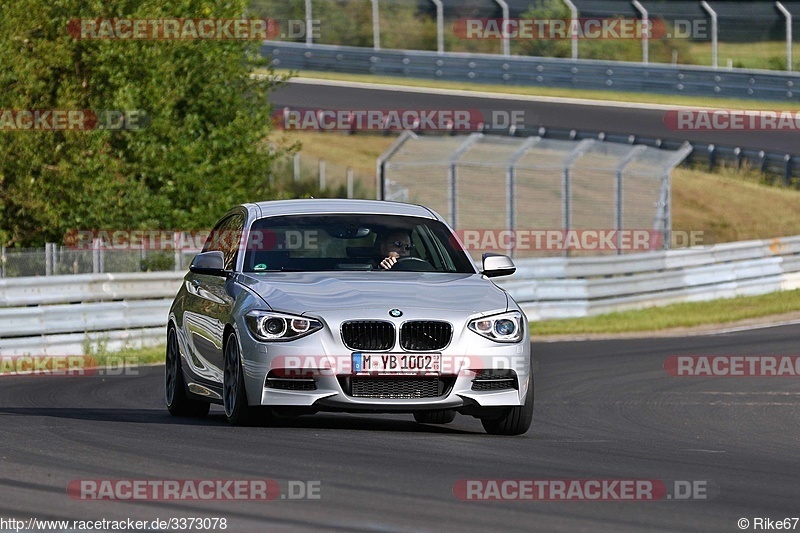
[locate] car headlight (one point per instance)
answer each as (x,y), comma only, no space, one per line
(505,327)
(271,326)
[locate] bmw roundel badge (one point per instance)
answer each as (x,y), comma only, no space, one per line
(395,313)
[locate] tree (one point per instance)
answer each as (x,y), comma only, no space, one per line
(201,151)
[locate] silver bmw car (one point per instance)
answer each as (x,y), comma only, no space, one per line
(300,306)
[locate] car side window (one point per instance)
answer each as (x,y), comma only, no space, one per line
(225,238)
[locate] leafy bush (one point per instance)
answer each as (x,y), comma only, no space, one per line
(201,152)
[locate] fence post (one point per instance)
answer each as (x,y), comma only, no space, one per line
(624,162)
(376,26)
(645,30)
(380,171)
(714,34)
(439,25)
(309,33)
(566,184)
(788,16)
(48,258)
(96,263)
(350,193)
(573,27)
(322,174)
(297,166)
(452,176)
(504,33)
(511,177)
(3,260)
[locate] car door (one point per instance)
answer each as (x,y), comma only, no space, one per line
(209,303)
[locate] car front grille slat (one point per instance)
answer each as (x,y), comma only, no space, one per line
(425,335)
(370,335)
(399,388)
(286,379)
(487,380)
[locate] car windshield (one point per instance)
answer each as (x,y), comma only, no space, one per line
(312,243)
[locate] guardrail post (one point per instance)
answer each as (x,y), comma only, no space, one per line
(787,176)
(788,16)
(3,260)
(714,34)
(712,157)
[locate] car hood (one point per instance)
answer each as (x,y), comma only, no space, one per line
(301,292)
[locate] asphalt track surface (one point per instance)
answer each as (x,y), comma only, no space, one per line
(604,410)
(595,117)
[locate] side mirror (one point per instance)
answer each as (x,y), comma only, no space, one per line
(497,265)
(211,263)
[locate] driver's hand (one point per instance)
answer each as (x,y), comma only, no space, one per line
(389,262)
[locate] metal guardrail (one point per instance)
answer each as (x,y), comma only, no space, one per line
(57,315)
(550,288)
(17,292)
(711,155)
(689,80)
(132,308)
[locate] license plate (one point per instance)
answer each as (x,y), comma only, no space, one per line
(396,363)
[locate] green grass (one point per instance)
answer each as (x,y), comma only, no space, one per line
(610,96)
(97,356)
(761,55)
(675,316)
(131,356)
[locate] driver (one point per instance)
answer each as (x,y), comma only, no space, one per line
(394,245)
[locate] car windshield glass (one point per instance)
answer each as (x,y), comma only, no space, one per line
(311,243)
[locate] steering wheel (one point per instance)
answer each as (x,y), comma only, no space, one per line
(413,264)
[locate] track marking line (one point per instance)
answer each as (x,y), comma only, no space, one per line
(496,96)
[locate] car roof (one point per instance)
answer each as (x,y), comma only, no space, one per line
(337,206)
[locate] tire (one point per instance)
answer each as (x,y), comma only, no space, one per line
(234,395)
(178,401)
(512,421)
(442,416)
